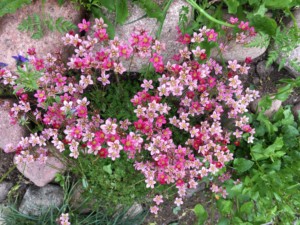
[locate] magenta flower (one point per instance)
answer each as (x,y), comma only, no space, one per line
(84,26)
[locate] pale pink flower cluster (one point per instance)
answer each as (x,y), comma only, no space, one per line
(64,219)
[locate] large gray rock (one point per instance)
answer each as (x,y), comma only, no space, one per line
(41,174)
(168,35)
(38,200)
(9,134)
(12,41)
(239,52)
(4,189)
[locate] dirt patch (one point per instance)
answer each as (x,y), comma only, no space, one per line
(6,163)
(186,216)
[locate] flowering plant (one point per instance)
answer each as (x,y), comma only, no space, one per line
(190,98)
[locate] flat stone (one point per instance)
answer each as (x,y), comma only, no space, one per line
(295,53)
(9,134)
(13,41)
(168,35)
(4,189)
(37,200)
(41,174)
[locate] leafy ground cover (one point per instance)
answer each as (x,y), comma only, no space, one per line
(150,137)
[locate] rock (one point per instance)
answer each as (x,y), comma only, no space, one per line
(38,200)
(239,52)
(12,41)
(264,71)
(276,104)
(78,202)
(9,134)
(4,189)
(4,210)
(296,110)
(294,55)
(134,210)
(256,81)
(191,192)
(41,174)
(168,35)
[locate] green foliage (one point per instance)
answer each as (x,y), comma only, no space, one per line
(264,24)
(152,9)
(99,216)
(110,183)
(11,6)
(37,26)
(201,214)
(121,11)
(285,41)
(114,101)
(269,188)
(27,78)
(261,40)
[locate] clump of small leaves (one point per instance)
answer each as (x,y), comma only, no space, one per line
(37,26)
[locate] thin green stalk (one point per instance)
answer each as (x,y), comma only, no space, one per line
(7,173)
(164,17)
(196,6)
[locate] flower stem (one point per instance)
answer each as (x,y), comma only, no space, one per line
(196,6)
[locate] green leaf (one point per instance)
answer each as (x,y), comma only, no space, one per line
(242,165)
(152,9)
(284,92)
(109,4)
(60,2)
(176,210)
(232,6)
(247,207)
(11,6)
(108,169)
(121,11)
(201,214)
(224,206)
(278,4)
(277,145)
(98,14)
(224,221)
(264,24)
(257,152)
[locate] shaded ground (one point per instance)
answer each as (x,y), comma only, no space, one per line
(167,213)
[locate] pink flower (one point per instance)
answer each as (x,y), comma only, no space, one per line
(40,95)
(154,209)
(158,199)
(211,35)
(84,25)
(244,25)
